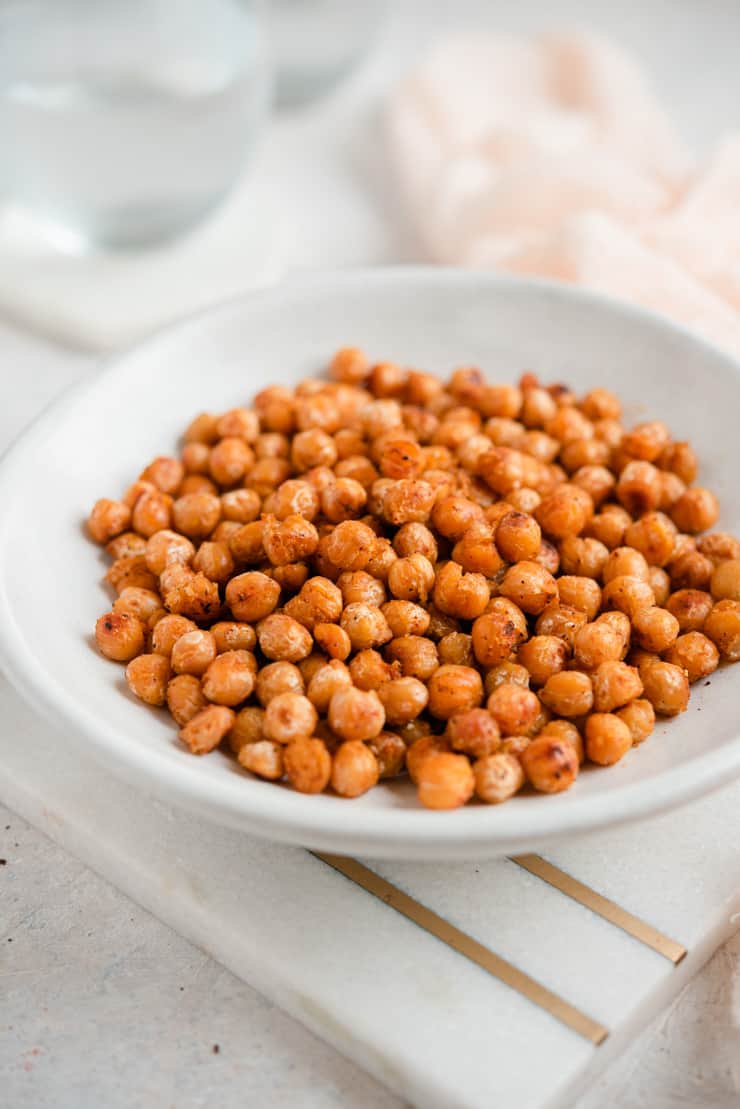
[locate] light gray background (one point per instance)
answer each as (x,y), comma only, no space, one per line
(100,1004)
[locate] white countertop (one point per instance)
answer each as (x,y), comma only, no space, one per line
(92,986)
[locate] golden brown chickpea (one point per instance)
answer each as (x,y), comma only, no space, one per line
(568,693)
(615,684)
(319,601)
(196,514)
(350,545)
(282,638)
(412,578)
(537,407)
(569,425)
(387,380)
(672,489)
(500,401)
(307,765)
(403,699)
(193,652)
(547,557)
(197,483)
(513,707)
(646,441)
(407,501)
(252,596)
(474,733)
(725,581)
(550,764)
(229,679)
(263,758)
(666,687)
(454,689)
(497,777)
(504,672)
(271,444)
(639,717)
(524,500)
(359,587)
(654,536)
(230,460)
(694,653)
(416,655)
(349,365)
(654,629)
(195,458)
(578,453)
(601,404)
(401,458)
(246,543)
(562,621)
(722,625)
(565,511)
(691,607)
(518,537)
(291,577)
(189,594)
(625,561)
(126,545)
(719,546)
(325,682)
(137,490)
(609,525)
(453,515)
(639,488)
(390,751)
(608,738)
(660,584)
(312,447)
(241,423)
(583,557)
(203,429)
(695,510)
(230,635)
(445,781)
(566,732)
(355,769)
(628,594)
(311,664)
(580,593)
(365,625)
(152,512)
(147,677)
(165,548)
(369,670)
(275,407)
(597,481)
(495,637)
(456,649)
(381,559)
(108,519)
(288,540)
(248,728)
(458,594)
(421,747)
(539,445)
(343,500)
(120,636)
(406,618)
(296,497)
(288,717)
(356,714)
(333,639)
(185,698)
(529,586)
(609,431)
(476,551)
(215,561)
(207,728)
(277,678)
(690,570)
(167,631)
(142,603)
(679,459)
(415,538)
(543,655)
(596,643)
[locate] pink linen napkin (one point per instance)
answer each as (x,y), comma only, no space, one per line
(551,156)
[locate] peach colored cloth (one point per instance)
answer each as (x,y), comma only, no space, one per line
(551,156)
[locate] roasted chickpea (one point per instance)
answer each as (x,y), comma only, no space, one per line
(307,765)
(403,699)
(666,687)
(660,583)
(513,707)
(282,638)
(568,693)
(565,511)
(694,653)
(215,561)
(288,717)
(248,728)
(550,763)
(359,587)
(108,519)
(143,603)
(690,570)
(126,545)
(319,601)
(416,655)
(691,607)
(609,525)
(566,732)
(349,365)
(369,670)
(381,559)
(639,716)
(197,483)
(196,514)
(343,500)
(654,536)
(529,586)
(456,649)
(722,625)
(504,672)
(639,488)
(350,545)
(152,512)
(725,581)
(628,594)
(355,769)
(625,561)
(646,441)
(597,481)
(654,629)
(365,625)
(263,758)
(608,738)
(445,780)
(518,537)
(497,777)
(454,689)
(719,546)
(580,593)
(406,618)
(193,652)
(252,596)
(246,543)
(476,551)
(474,733)
(147,677)
(408,501)
(583,557)
(458,594)
(412,578)
(356,714)
(333,639)
(614,685)
(185,698)
(601,404)
(230,678)
(543,655)
(390,751)
(165,548)
(496,637)
(695,510)
(562,621)
(120,636)
(277,678)
(206,729)
(415,538)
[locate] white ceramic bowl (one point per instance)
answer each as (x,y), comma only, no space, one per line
(96,439)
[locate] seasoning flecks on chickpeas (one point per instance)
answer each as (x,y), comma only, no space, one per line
(330,577)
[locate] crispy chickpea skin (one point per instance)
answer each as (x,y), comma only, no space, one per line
(108,519)
(691,607)
(288,717)
(666,687)
(282,638)
(614,685)
(354,769)
(207,728)
(569,693)
(356,714)
(454,689)
(403,699)
(229,679)
(608,738)
(497,777)
(513,707)
(120,636)
(529,586)
(307,765)
(263,758)
(639,716)
(695,653)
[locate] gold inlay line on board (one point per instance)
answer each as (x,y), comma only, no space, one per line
(465,945)
(609,910)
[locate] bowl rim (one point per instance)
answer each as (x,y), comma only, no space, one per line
(284,815)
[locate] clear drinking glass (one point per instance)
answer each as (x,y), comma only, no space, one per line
(123,121)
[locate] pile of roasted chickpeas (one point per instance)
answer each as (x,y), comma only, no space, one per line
(477,585)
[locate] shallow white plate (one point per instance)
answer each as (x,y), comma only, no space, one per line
(95,441)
